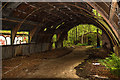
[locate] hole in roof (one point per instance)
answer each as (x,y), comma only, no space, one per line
(51,26)
(45,29)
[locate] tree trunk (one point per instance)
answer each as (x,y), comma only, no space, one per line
(76,34)
(98,40)
(82,38)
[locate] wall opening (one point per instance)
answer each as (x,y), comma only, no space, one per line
(5,37)
(22,37)
(82,35)
(54,40)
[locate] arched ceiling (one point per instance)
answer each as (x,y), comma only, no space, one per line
(40,15)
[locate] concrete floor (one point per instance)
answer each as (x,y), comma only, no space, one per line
(62,67)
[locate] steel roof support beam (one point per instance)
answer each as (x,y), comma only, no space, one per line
(113,9)
(32,32)
(13,33)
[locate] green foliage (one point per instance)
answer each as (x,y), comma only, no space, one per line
(79,44)
(75,33)
(93,38)
(112,63)
(54,38)
(96,13)
(66,43)
(53,45)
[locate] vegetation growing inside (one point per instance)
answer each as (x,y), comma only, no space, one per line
(112,63)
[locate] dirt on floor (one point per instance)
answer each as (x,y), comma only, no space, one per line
(64,63)
(92,69)
(58,63)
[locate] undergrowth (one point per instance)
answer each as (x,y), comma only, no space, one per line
(112,63)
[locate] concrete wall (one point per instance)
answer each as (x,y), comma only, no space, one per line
(106,39)
(59,44)
(45,46)
(7,52)
(24,49)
